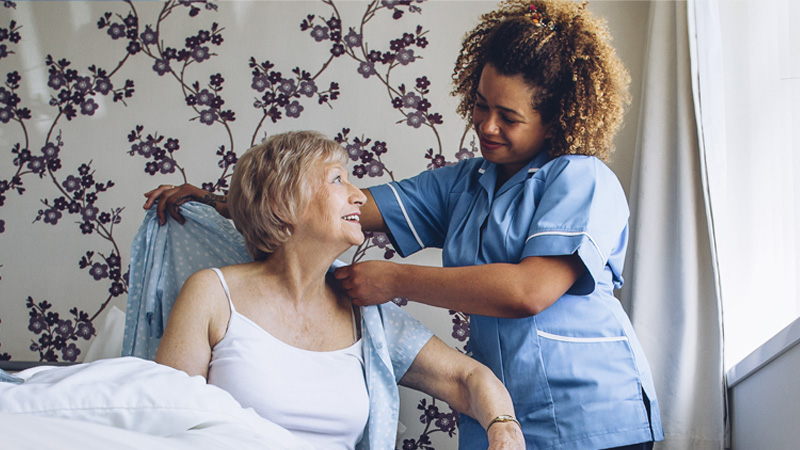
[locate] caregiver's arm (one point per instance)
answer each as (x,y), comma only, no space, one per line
(193,325)
(467,386)
(497,290)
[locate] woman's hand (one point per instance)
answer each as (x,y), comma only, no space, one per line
(505,436)
(169,198)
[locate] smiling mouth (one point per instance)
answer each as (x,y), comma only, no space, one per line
(352,218)
(490,144)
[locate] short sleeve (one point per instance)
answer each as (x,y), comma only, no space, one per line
(417,210)
(405,337)
(582,209)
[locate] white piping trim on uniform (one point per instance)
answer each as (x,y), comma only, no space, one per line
(405,214)
(556,337)
(568,233)
(481,170)
(533,169)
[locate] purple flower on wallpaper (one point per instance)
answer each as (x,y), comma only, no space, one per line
(381,240)
(415,119)
(151,167)
(204,97)
(423,83)
(379,148)
(2,226)
(208,116)
(366,69)
(37,324)
(83,84)
(359,170)
(74,207)
(216,80)
(64,328)
(3,51)
(172,144)
(337,50)
(116,289)
(57,80)
(411,100)
(70,352)
(37,164)
(437,162)
(352,39)
(6,114)
(464,153)
(103,85)
(308,88)
(87,227)
(116,31)
(89,107)
(133,47)
(460,330)
(294,109)
(52,215)
(167,166)
(89,212)
(260,82)
(405,56)
(375,168)
(320,33)
(98,271)
(145,148)
(446,422)
(201,54)
(354,151)
(148,36)
(5,95)
(287,87)
(161,66)
(85,330)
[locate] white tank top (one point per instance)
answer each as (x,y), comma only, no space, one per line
(318,396)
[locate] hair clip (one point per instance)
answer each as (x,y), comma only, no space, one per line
(538,19)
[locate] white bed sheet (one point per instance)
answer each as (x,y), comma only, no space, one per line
(128,402)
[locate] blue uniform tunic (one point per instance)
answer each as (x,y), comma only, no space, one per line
(576,372)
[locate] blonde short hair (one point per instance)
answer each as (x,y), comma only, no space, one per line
(271,186)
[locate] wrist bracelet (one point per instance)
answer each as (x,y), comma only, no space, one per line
(503,418)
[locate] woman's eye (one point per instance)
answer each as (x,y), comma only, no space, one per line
(507,120)
(338,179)
(481,106)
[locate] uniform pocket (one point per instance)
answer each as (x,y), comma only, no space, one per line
(594,383)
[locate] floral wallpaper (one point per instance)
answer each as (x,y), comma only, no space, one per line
(102,101)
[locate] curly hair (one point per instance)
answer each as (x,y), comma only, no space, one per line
(564,53)
(273,183)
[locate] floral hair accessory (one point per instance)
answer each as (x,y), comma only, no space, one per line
(538,19)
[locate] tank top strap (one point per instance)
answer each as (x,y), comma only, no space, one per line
(225,288)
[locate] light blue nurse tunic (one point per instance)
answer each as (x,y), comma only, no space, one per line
(576,371)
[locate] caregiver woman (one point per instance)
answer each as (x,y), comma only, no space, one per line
(533,233)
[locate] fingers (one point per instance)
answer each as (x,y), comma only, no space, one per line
(155,194)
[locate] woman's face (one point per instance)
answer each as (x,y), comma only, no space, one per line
(334,211)
(511,132)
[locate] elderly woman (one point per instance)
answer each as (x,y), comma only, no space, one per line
(283,339)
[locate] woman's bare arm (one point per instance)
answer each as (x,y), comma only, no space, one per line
(468,387)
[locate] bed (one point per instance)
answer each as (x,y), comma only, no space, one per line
(129,403)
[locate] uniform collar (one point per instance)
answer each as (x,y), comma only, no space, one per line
(488,173)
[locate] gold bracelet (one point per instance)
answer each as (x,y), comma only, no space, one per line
(503,418)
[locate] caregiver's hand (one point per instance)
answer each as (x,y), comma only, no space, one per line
(170,197)
(370,282)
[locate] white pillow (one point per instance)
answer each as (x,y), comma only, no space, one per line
(136,394)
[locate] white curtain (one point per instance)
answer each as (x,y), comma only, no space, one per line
(671,288)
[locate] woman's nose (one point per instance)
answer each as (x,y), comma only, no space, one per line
(356,196)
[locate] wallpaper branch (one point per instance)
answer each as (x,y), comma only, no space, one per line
(131,94)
